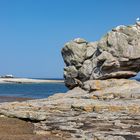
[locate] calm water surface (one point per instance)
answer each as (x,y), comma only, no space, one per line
(32,90)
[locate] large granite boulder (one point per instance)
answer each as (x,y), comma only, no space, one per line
(116,55)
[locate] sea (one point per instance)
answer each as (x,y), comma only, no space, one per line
(32,90)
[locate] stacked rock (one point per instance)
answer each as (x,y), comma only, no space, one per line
(116,55)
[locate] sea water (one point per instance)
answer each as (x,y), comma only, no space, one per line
(40,90)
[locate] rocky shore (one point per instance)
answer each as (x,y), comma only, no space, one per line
(108,110)
(12,99)
(103,104)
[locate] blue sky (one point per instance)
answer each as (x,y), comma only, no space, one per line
(33,32)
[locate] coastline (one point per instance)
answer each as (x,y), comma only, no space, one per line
(27,80)
(13,99)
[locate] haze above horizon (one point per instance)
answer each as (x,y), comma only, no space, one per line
(33,32)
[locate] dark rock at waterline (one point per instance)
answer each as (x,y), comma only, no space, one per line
(12,99)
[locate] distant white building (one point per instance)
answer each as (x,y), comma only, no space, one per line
(8,76)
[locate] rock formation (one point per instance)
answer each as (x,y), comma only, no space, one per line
(116,55)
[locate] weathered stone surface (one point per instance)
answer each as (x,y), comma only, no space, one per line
(74,52)
(102,110)
(112,89)
(116,55)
